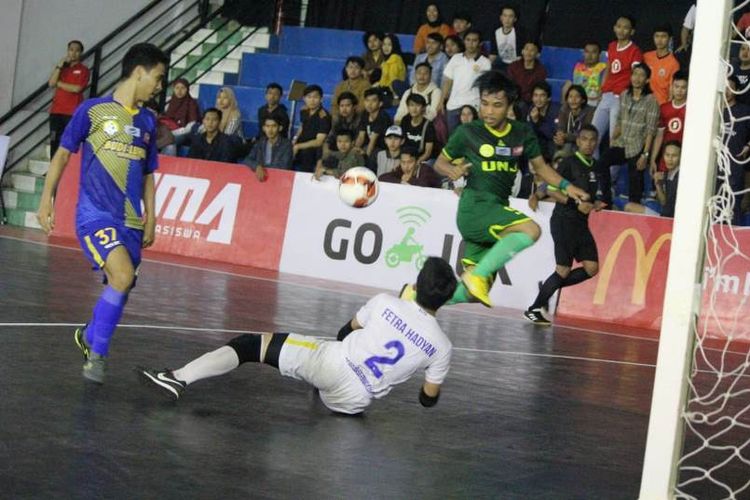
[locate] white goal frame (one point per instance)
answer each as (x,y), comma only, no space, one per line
(682,297)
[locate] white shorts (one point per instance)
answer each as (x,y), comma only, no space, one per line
(321,363)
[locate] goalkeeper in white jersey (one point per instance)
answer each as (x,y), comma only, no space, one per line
(387,341)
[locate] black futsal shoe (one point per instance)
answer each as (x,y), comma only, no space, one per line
(536,316)
(163,380)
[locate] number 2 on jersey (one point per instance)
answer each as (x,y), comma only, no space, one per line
(373,362)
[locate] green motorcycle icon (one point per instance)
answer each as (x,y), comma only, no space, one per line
(406,251)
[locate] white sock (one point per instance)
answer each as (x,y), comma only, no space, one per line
(212,364)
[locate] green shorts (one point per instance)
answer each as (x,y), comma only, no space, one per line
(481,218)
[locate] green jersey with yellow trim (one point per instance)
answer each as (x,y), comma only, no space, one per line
(493,154)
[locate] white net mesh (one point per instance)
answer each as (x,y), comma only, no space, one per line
(715,462)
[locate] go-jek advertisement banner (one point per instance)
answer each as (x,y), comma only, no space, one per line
(385,244)
(208,210)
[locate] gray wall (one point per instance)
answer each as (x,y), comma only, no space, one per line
(41,36)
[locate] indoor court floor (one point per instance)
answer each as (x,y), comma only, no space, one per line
(525,412)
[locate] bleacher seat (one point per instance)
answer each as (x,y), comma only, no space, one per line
(328,43)
(317,55)
(260,69)
(249,100)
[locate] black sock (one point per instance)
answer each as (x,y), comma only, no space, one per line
(576,276)
(553,283)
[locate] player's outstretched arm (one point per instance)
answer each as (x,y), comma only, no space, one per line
(443,166)
(149,202)
(46,213)
(429,394)
(550,176)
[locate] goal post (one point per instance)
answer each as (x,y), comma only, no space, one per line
(686,260)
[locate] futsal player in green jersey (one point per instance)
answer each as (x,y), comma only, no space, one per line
(491,147)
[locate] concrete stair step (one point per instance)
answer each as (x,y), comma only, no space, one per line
(27,182)
(21,200)
(37,167)
(22,218)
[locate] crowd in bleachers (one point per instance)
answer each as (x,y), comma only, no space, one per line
(389,106)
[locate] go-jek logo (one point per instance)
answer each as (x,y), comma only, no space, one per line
(409,249)
(184,200)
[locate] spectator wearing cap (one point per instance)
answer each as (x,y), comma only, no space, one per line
(373,125)
(459,76)
(388,159)
(419,132)
(274,109)
(412,172)
(527,71)
(316,124)
(434,56)
(69,79)
(354,81)
(434,25)
(425,87)
(273,150)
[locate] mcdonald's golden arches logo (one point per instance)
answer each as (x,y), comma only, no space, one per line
(644,263)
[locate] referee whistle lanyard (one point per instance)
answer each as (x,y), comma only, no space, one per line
(586,161)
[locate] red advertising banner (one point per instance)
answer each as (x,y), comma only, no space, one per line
(629,289)
(208,210)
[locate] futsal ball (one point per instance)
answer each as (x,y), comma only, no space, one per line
(358,187)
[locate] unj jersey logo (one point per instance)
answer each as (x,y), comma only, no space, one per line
(184,209)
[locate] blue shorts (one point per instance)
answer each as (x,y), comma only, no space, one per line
(99,238)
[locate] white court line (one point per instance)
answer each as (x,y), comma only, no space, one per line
(477,312)
(465,349)
(367,296)
(225,330)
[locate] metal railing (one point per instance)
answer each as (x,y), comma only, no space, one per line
(159,23)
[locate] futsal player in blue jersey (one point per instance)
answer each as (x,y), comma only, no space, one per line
(118,141)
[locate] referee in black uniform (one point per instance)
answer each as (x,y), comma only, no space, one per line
(569,225)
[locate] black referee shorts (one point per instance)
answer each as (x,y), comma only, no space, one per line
(573,240)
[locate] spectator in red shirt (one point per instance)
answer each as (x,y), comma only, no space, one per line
(623,53)
(69,78)
(527,71)
(671,121)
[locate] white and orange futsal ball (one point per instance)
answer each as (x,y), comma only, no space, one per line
(358,187)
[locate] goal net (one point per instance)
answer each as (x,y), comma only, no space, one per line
(699,429)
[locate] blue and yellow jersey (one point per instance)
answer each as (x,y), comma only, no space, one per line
(119,150)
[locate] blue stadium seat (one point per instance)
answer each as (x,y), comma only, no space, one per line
(260,69)
(559,61)
(557,85)
(328,43)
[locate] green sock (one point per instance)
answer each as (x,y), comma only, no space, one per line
(460,296)
(501,252)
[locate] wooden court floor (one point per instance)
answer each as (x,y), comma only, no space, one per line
(525,413)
